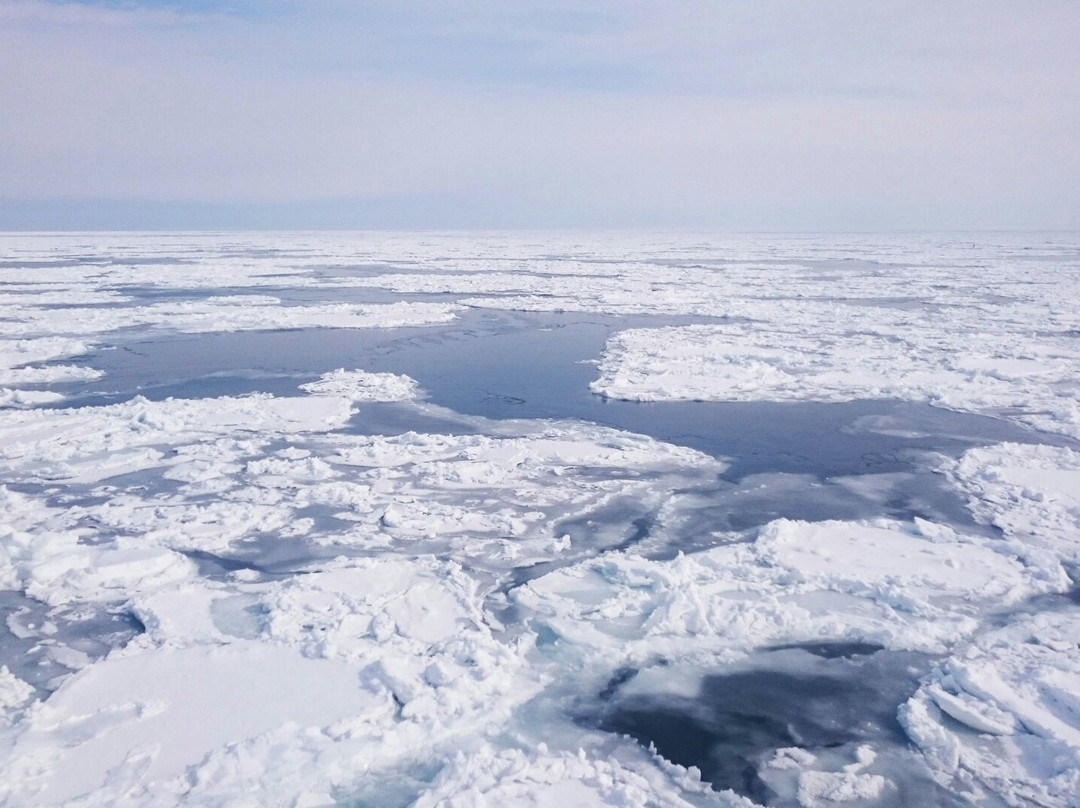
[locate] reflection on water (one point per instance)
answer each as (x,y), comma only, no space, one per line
(826,698)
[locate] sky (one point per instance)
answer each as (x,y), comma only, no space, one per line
(682,114)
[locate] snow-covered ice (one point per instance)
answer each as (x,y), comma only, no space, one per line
(841,355)
(1000,714)
(361,386)
(343,592)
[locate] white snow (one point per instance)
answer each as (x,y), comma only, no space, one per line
(824,788)
(223,314)
(799,582)
(14,694)
(27,398)
(49,312)
(1032,493)
(141,717)
(360,386)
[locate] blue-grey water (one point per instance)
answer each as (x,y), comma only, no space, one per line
(824,698)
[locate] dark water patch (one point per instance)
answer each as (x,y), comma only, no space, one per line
(929,496)
(616,525)
(142,260)
(709,743)
(544,372)
(53,263)
(711,515)
(832,650)
(1073,593)
(288,296)
(617,680)
(146,293)
(1066,600)
(365,269)
(41,644)
(94,260)
(210,386)
(815,698)
(140,365)
(642,529)
(734,507)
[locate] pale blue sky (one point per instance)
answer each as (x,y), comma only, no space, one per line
(687,113)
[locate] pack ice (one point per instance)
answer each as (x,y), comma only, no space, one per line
(334,590)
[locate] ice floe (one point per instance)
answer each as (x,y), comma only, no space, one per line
(1002,716)
(838,356)
(885,583)
(227,313)
(489,777)
(1032,493)
(360,386)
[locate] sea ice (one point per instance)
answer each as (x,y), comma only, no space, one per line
(357,385)
(242,600)
(1002,715)
(1032,493)
(846,355)
(511,777)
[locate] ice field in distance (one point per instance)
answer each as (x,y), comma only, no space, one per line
(422,519)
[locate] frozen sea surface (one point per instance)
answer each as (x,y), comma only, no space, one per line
(421,519)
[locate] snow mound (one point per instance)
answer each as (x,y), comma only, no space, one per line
(356,385)
(1032,493)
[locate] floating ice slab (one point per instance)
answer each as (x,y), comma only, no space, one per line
(844,356)
(145,717)
(356,385)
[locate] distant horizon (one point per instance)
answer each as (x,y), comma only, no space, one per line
(553,230)
(156,216)
(568,229)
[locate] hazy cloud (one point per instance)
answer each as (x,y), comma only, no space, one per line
(898,114)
